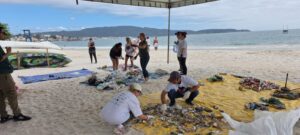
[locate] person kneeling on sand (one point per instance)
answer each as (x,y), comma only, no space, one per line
(122,107)
(8,87)
(179,86)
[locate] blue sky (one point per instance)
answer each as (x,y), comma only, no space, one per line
(53,15)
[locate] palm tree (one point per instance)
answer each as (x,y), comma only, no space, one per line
(7,34)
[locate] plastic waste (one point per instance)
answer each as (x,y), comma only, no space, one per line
(265,123)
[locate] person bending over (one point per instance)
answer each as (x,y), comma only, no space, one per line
(122,107)
(115,54)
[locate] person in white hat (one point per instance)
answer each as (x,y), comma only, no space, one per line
(124,105)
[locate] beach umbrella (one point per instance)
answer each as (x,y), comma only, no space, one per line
(156,4)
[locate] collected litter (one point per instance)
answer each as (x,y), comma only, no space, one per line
(265,104)
(185,120)
(215,78)
(117,79)
(257,84)
(286,94)
(256,106)
(274,102)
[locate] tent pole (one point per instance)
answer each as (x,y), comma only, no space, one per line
(168,59)
(47,58)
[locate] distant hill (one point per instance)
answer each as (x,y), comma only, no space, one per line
(122,31)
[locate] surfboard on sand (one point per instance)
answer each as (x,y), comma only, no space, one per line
(29,45)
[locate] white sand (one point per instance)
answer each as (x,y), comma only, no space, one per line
(64,107)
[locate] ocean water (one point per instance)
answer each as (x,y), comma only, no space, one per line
(237,40)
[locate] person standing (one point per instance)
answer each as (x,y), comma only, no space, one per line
(155,43)
(182,51)
(92,50)
(144,55)
(129,49)
(122,107)
(115,54)
(8,87)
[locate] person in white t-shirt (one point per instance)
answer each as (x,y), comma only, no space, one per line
(179,86)
(122,107)
(182,51)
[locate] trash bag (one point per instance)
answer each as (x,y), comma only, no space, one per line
(265,123)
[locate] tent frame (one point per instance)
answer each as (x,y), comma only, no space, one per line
(157,4)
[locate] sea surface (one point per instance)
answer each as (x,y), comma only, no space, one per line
(236,40)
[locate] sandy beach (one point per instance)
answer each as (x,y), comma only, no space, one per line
(66,107)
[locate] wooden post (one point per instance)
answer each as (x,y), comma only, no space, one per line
(47,57)
(18,60)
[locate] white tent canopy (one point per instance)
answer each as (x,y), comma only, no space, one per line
(157,4)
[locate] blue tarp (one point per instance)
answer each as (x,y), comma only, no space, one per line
(55,76)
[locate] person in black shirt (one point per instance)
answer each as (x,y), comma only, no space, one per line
(8,87)
(144,55)
(115,54)
(92,50)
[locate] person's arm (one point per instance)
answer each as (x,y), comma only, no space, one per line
(8,51)
(143,117)
(163,97)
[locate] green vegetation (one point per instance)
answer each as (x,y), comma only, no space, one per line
(7,34)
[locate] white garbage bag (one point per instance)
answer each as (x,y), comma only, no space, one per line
(265,123)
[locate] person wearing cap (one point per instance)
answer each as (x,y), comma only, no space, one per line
(179,86)
(8,87)
(92,50)
(182,51)
(116,54)
(122,106)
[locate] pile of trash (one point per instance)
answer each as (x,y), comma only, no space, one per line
(257,84)
(116,79)
(215,78)
(265,103)
(185,120)
(286,94)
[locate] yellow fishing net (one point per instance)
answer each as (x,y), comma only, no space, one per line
(226,95)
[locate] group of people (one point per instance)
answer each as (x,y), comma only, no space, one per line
(133,50)
(125,105)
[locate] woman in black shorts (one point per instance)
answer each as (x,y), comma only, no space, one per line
(92,50)
(115,54)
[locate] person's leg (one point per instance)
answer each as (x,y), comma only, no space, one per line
(95,57)
(184,68)
(91,57)
(193,95)
(131,61)
(117,64)
(143,65)
(12,96)
(126,59)
(179,61)
(113,63)
(3,112)
(146,71)
(173,94)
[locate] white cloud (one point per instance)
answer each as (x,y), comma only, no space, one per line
(250,14)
